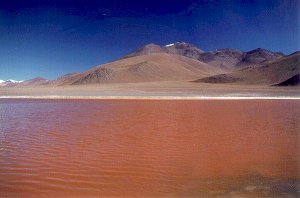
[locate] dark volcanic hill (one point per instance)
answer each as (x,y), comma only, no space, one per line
(293,81)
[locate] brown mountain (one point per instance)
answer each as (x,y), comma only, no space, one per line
(146,68)
(39,81)
(185,62)
(235,59)
(147,49)
(270,73)
(66,79)
(259,55)
(223,58)
(226,59)
(67,76)
(184,49)
(179,48)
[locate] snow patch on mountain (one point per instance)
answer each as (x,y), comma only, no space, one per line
(169,45)
(14,81)
(10,82)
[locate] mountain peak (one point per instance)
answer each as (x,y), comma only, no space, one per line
(10,82)
(259,50)
(39,78)
(184,49)
(13,81)
(147,49)
(260,55)
(67,75)
(151,47)
(179,44)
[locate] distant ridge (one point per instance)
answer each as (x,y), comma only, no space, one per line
(223,58)
(9,82)
(260,55)
(35,81)
(283,71)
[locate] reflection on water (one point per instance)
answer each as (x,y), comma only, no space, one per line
(127,148)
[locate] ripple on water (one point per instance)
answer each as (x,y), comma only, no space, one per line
(149,148)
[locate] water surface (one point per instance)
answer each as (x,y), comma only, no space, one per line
(155,148)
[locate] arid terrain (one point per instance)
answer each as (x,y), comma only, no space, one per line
(150,99)
(150,90)
(178,69)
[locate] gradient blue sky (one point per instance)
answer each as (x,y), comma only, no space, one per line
(50,38)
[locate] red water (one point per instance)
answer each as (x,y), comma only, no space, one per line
(139,148)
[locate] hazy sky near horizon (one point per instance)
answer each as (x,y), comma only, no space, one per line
(50,38)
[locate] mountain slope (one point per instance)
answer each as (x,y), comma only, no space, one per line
(235,59)
(179,48)
(35,82)
(146,50)
(223,58)
(66,79)
(269,73)
(184,49)
(229,59)
(146,68)
(258,56)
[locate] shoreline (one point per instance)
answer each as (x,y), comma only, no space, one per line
(154,91)
(155,97)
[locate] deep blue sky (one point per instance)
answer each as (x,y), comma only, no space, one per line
(50,38)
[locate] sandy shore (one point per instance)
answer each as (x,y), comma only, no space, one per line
(161,90)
